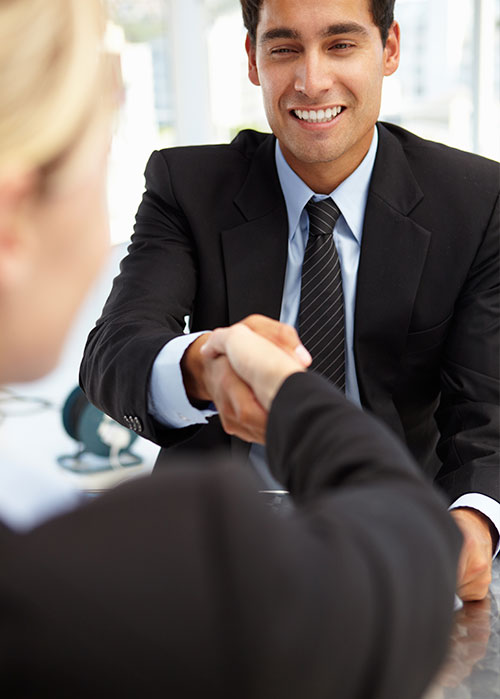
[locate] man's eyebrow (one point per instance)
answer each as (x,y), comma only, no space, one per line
(332,30)
(278,33)
(345,28)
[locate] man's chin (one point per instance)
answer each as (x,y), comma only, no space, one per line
(311,153)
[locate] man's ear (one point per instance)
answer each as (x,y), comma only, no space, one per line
(391,49)
(17,194)
(253,73)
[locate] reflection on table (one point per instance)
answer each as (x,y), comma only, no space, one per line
(472,668)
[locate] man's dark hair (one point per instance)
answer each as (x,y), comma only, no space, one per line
(382,13)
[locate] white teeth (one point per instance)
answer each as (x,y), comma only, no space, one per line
(320,116)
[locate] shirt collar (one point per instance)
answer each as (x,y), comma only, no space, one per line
(350,196)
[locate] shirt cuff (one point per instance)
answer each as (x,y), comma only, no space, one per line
(167,400)
(487,506)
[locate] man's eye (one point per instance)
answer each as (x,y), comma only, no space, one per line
(342,46)
(279,51)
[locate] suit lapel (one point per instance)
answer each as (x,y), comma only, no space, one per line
(255,252)
(393,254)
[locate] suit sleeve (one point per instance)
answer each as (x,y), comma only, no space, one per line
(186,584)
(469,411)
(147,307)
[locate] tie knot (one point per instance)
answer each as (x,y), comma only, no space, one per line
(323,216)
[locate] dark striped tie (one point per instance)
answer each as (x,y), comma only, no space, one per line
(321,312)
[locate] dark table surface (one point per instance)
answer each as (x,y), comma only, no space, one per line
(472,669)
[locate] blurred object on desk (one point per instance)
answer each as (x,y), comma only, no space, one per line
(104,444)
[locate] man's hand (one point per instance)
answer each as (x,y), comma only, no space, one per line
(474,567)
(262,365)
(209,375)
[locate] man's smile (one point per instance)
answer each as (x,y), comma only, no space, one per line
(317,116)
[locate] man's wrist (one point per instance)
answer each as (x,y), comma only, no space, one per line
(485,521)
(487,506)
(193,373)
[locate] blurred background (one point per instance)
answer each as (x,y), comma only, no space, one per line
(185,77)
(185,74)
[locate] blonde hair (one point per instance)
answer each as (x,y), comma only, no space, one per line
(52,77)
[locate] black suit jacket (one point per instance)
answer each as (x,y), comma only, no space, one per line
(187,585)
(211,242)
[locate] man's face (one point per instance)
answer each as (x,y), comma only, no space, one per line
(320,64)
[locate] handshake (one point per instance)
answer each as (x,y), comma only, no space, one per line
(240,369)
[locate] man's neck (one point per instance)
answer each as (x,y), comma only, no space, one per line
(325,177)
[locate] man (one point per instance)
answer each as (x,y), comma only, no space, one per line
(222,233)
(188,585)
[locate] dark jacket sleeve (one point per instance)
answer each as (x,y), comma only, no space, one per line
(146,308)
(188,585)
(469,411)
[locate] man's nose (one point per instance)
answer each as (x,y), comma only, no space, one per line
(315,75)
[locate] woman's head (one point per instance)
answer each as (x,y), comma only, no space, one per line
(56,94)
